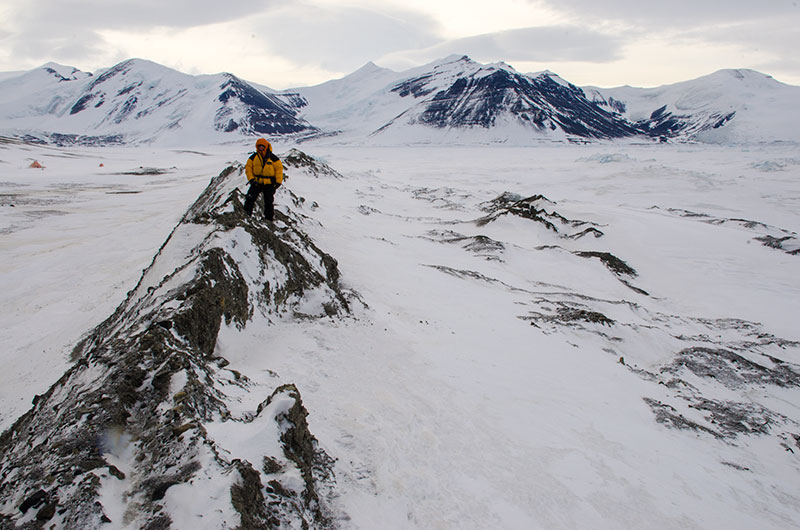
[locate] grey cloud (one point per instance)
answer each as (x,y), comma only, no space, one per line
(781,37)
(540,44)
(124,14)
(749,28)
(785,69)
(69,32)
(775,45)
(68,48)
(675,12)
(552,43)
(344,38)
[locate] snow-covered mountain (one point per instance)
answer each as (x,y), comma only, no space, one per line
(452,100)
(457,99)
(136,101)
(728,106)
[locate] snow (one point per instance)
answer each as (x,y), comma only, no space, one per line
(162,100)
(138,101)
(766,109)
(442,405)
(56,223)
(210,509)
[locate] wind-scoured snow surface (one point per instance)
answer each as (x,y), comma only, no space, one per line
(559,337)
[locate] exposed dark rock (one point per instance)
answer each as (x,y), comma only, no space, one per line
(298,159)
(264,113)
(443,197)
(481,245)
(159,522)
(731,369)
(472,275)
(36,499)
(479,97)
(788,244)
(668,415)
(415,87)
(665,124)
(47,511)
(591,230)
(732,418)
(218,292)
(770,236)
(568,314)
(82,103)
(536,208)
(735,466)
(300,447)
(247,498)
(540,209)
(528,208)
(613,263)
(64,140)
(722,367)
(293,99)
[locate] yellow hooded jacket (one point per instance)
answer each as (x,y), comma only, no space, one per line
(264,170)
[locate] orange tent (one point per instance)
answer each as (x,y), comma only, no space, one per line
(36,163)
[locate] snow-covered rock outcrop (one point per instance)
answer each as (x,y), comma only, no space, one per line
(143,430)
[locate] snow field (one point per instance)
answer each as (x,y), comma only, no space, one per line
(442,404)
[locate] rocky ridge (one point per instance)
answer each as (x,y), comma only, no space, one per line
(126,435)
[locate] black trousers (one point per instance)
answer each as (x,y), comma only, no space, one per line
(269,197)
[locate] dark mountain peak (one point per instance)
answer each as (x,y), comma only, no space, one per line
(456,58)
(474,95)
(460,61)
(116,70)
(62,72)
(457,92)
(253,111)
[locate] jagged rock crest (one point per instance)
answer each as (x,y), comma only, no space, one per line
(127,434)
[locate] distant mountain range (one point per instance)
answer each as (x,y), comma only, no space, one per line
(453,100)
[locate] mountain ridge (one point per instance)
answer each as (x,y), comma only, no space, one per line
(453,99)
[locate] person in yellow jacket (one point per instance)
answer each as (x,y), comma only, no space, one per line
(264,172)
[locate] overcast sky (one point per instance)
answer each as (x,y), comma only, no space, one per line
(285,43)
